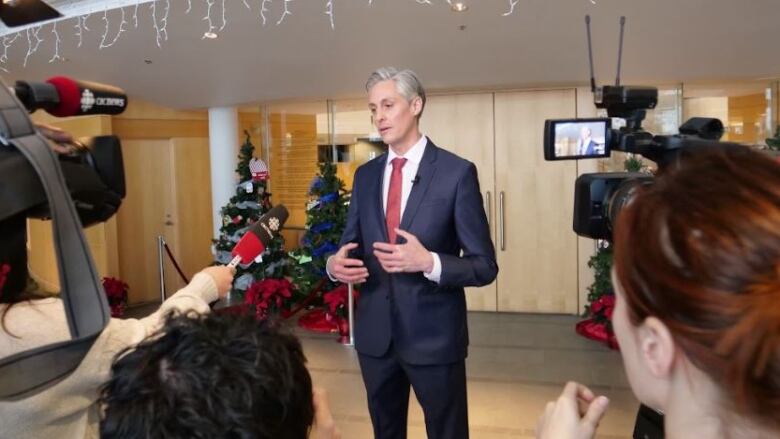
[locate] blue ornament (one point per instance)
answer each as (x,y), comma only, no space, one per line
(328,198)
(316,184)
(321,227)
(324,249)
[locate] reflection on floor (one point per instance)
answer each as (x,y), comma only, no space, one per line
(517,362)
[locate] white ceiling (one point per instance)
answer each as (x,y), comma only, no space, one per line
(541,43)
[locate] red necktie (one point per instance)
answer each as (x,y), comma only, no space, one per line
(393,212)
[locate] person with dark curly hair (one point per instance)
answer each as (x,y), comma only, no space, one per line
(214,376)
(697,317)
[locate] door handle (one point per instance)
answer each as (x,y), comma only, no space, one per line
(489,210)
(501,221)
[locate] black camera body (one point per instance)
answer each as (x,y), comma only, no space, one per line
(600,196)
(94,174)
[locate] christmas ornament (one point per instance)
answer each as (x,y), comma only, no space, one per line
(259,169)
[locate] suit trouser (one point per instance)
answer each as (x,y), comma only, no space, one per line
(440,389)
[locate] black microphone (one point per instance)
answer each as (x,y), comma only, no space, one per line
(416,179)
(62,97)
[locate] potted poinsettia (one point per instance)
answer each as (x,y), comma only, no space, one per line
(269,296)
(116,292)
(336,303)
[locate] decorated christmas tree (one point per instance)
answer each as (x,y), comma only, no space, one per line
(326,215)
(265,281)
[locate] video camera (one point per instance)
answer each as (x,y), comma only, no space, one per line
(83,187)
(598,197)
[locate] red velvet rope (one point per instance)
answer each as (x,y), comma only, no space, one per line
(175,264)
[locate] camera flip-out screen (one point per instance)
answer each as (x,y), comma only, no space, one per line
(567,139)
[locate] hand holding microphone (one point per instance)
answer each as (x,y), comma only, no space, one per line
(222,276)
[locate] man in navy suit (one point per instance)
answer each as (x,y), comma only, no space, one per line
(416,234)
(586,145)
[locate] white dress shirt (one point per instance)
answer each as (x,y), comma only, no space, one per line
(409,172)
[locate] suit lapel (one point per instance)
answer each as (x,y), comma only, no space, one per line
(377,198)
(425,173)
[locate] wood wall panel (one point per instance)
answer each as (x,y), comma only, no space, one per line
(293,162)
(538,265)
(750,112)
(463,124)
(160,129)
(148,211)
(193,218)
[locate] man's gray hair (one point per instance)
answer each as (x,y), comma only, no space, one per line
(406,82)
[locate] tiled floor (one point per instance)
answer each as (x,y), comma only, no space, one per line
(516,363)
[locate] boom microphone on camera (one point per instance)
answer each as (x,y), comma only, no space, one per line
(62,97)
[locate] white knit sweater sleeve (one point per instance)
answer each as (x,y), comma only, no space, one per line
(68,409)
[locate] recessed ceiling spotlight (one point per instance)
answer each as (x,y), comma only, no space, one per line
(210,35)
(459,7)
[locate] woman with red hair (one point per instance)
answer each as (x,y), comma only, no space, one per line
(697,279)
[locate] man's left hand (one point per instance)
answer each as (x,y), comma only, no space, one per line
(410,257)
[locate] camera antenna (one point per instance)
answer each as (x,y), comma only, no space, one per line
(590,55)
(620,49)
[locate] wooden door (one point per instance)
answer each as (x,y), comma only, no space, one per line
(463,124)
(146,213)
(193,210)
(537,250)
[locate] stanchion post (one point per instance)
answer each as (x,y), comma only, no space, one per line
(161,261)
(351,314)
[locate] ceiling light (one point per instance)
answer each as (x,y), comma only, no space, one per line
(210,35)
(459,7)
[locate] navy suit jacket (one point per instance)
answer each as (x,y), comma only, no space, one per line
(591,148)
(425,321)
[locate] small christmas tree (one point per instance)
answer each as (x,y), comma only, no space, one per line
(326,215)
(250,202)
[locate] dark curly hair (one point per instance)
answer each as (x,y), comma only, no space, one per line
(210,376)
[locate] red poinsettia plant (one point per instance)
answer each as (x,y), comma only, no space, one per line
(601,295)
(269,296)
(336,300)
(599,326)
(116,291)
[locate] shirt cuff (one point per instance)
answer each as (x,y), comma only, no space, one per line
(327,270)
(435,274)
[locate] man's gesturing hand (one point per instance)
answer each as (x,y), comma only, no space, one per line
(346,269)
(410,257)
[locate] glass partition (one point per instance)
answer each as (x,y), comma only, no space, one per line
(745,108)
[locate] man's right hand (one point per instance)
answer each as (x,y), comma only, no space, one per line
(345,269)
